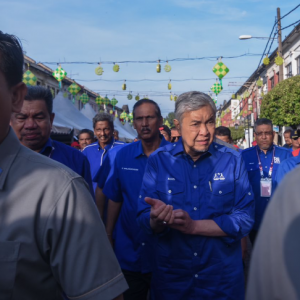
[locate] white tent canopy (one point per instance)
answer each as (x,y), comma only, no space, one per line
(68,115)
(88,111)
(130,129)
(122,131)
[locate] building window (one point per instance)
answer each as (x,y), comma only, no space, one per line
(298,65)
(289,70)
(272,82)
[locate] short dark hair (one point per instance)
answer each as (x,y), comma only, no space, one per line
(288,131)
(40,93)
(142,101)
(262,121)
(103,116)
(88,131)
(223,131)
(12,58)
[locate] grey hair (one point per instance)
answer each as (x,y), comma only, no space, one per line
(103,117)
(262,121)
(192,101)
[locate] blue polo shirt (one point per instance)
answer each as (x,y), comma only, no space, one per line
(95,155)
(285,167)
(214,187)
(69,157)
(251,161)
(132,246)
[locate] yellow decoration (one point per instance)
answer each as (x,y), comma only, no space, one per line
(99,70)
(116,68)
(169,85)
(266,60)
(279,60)
(158,67)
(124,86)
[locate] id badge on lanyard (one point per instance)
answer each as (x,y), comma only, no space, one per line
(265,187)
(266,183)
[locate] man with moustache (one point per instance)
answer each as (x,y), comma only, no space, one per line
(52,241)
(33,125)
(131,244)
(262,162)
(103,124)
(196,203)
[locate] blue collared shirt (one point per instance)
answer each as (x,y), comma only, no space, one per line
(251,161)
(69,157)
(95,155)
(132,246)
(214,187)
(285,167)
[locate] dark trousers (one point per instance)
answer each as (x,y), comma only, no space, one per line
(139,285)
(252,236)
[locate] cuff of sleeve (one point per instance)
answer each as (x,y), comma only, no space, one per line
(227,224)
(107,291)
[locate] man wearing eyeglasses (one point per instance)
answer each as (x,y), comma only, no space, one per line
(262,162)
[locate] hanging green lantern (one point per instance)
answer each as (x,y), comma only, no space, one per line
(175,97)
(266,60)
(246,94)
(106,101)
(216,88)
(259,82)
(167,67)
(84,98)
(99,100)
(59,74)
(123,115)
(124,85)
(29,78)
(279,60)
(158,67)
(113,102)
(116,68)
(169,85)
(137,97)
(99,70)
(129,96)
(74,89)
(220,69)
(130,116)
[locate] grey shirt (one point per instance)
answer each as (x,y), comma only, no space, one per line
(51,236)
(275,263)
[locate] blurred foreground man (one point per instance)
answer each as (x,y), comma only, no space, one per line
(132,245)
(262,162)
(33,125)
(205,208)
(52,240)
(275,264)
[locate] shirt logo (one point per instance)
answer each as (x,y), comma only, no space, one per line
(219,176)
(130,169)
(276,160)
(171,178)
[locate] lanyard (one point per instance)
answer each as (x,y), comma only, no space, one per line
(260,165)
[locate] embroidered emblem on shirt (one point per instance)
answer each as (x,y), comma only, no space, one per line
(276,160)
(130,169)
(171,178)
(219,176)
(251,163)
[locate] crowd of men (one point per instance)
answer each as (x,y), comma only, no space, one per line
(164,217)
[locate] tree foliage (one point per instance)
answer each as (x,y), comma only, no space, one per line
(236,134)
(170,117)
(282,103)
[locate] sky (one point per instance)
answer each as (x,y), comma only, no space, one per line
(147,31)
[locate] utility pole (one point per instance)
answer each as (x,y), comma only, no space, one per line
(279,44)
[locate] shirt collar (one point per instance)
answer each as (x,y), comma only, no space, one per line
(47,147)
(178,148)
(108,146)
(139,147)
(9,149)
(268,151)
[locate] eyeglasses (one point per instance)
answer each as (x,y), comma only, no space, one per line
(267,133)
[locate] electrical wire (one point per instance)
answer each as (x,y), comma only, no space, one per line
(290,25)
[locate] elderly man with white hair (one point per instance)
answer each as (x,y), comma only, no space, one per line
(197,202)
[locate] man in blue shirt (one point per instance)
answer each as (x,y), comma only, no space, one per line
(205,208)
(103,125)
(33,125)
(262,162)
(132,246)
(286,166)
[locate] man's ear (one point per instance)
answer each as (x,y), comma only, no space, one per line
(18,94)
(52,116)
(177,125)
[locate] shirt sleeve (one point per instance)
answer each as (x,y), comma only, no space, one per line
(148,189)
(240,220)
(86,174)
(103,171)
(112,187)
(80,256)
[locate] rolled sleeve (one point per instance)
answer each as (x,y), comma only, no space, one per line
(239,222)
(74,239)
